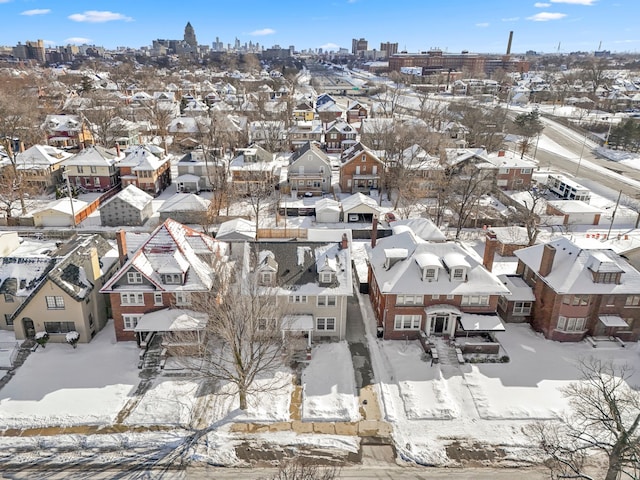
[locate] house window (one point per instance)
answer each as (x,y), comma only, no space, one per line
(297,299)
(632,301)
(8,320)
(430,273)
(580,300)
(475,300)
(8,298)
(503,171)
(134,277)
(525,171)
(157,298)
(435,297)
(172,278)
(93,169)
(96,181)
(59,327)
(326,277)
(407,322)
(458,273)
(55,303)
(130,321)
(607,277)
(131,299)
(522,308)
(80,169)
(326,300)
(409,300)
(450,296)
(570,324)
(266,278)
(326,324)
(183,298)
(363,158)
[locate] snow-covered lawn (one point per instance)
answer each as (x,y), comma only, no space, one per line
(60,385)
(167,402)
(432,406)
(329,384)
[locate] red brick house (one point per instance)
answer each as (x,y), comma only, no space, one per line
(356,112)
(361,170)
(435,288)
(339,136)
(581,292)
(94,169)
(152,292)
(513,172)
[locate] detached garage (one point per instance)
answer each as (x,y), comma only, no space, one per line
(327,211)
(359,208)
(58,214)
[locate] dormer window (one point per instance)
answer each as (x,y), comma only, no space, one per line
(266,278)
(458,274)
(326,277)
(429,274)
(172,279)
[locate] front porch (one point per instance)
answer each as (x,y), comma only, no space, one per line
(178,329)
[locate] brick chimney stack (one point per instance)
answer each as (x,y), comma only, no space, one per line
(122,246)
(546,262)
(490,246)
(344,243)
(374,231)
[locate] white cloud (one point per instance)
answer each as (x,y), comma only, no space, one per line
(546,16)
(5,1)
(541,5)
(482,25)
(576,2)
(263,31)
(329,46)
(77,40)
(95,16)
(511,19)
(36,11)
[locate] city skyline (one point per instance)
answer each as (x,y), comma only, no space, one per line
(545,26)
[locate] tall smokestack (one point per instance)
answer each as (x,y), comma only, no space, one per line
(509,44)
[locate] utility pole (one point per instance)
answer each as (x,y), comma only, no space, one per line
(69,194)
(613,216)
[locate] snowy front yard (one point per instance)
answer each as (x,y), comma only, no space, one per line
(60,385)
(490,404)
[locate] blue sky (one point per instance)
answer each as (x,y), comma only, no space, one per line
(453,25)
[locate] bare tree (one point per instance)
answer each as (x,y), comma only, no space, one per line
(245,344)
(466,186)
(300,469)
(15,190)
(528,214)
(604,418)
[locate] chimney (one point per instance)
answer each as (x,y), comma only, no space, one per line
(501,153)
(118,150)
(546,263)
(121,238)
(94,264)
(490,245)
(374,231)
(344,244)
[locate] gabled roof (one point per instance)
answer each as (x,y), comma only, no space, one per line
(133,196)
(172,247)
(571,272)
(185,202)
(350,154)
(140,158)
(314,149)
(358,199)
(93,156)
(40,156)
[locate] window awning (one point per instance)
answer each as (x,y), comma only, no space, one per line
(613,321)
(172,320)
(297,323)
(481,323)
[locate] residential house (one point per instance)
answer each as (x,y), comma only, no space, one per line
(329,112)
(323,99)
(361,170)
(69,298)
(93,169)
(434,288)
(516,306)
(254,169)
(356,112)
(314,283)
(153,290)
(41,166)
(309,170)
(270,134)
(581,292)
(129,207)
(304,112)
(514,173)
(339,136)
(199,170)
(302,132)
(19,277)
(145,170)
(66,131)
(417,170)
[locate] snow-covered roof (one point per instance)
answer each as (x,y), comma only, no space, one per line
(40,156)
(62,205)
(572,268)
(519,291)
(172,320)
(93,156)
(132,195)
(237,229)
(422,227)
(358,199)
(185,202)
(404,276)
(472,322)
